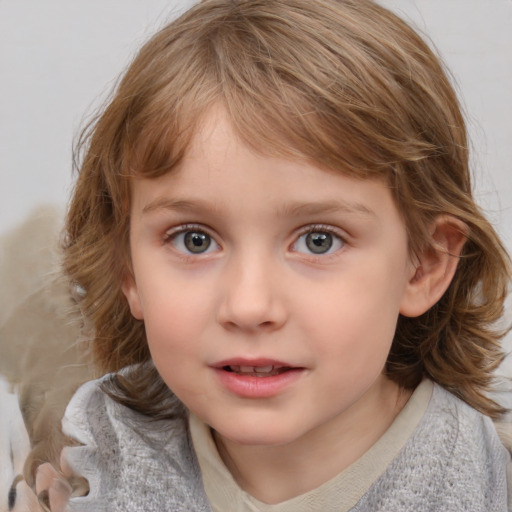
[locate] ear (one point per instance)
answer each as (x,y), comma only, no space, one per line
(435,266)
(130,291)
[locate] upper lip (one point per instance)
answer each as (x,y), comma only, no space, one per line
(257,362)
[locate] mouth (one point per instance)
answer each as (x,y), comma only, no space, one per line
(252,367)
(257,371)
(257,378)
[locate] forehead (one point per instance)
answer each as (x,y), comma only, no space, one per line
(219,171)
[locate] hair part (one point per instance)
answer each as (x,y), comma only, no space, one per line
(344,84)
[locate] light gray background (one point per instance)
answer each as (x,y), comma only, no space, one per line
(60,58)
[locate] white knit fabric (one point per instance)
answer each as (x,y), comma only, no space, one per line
(344,490)
(453,461)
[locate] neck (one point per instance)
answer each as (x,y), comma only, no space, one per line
(273,474)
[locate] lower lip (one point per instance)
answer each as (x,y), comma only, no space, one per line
(248,386)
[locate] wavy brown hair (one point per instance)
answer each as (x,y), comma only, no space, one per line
(344,84)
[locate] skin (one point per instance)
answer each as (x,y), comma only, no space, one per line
(52,490)
(258,291)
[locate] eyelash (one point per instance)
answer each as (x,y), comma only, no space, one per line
(182,228)
(321,228)
(171,236)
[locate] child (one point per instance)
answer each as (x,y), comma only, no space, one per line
(281,264)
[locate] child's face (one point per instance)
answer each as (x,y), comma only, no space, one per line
(270,289)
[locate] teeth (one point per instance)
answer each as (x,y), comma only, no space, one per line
(251,369)
(263,369)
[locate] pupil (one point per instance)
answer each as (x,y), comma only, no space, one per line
(197,242)
(319,243)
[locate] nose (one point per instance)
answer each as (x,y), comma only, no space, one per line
(253,297)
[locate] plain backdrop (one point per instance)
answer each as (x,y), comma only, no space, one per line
(60,58)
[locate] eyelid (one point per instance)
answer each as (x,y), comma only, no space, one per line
(176,230)
(172,233)
(319,228)
(327,228)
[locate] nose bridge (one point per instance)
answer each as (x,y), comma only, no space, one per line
(252,294)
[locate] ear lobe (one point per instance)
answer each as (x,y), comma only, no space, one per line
(130,291)
(436,266)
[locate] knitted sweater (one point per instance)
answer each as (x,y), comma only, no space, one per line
(453,461)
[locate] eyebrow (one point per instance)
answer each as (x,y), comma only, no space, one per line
(292,208)
(174,204)
(324,207)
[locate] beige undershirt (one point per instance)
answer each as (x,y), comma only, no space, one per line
(341,493)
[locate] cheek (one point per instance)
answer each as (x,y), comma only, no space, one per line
(175,329)
(171,340)
(170,325)
(356,316)
(175,317)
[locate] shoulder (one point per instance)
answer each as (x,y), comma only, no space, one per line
(131,461)
(469,433)
(92,414)
(461,455)
(479,462)
(453,461)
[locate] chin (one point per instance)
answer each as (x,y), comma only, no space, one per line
(265,436)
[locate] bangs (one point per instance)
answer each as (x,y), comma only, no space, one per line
(343,84)
(288,94)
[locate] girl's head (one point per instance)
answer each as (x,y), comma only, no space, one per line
(342,84)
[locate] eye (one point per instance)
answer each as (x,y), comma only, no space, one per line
(192,241)
(318,242)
